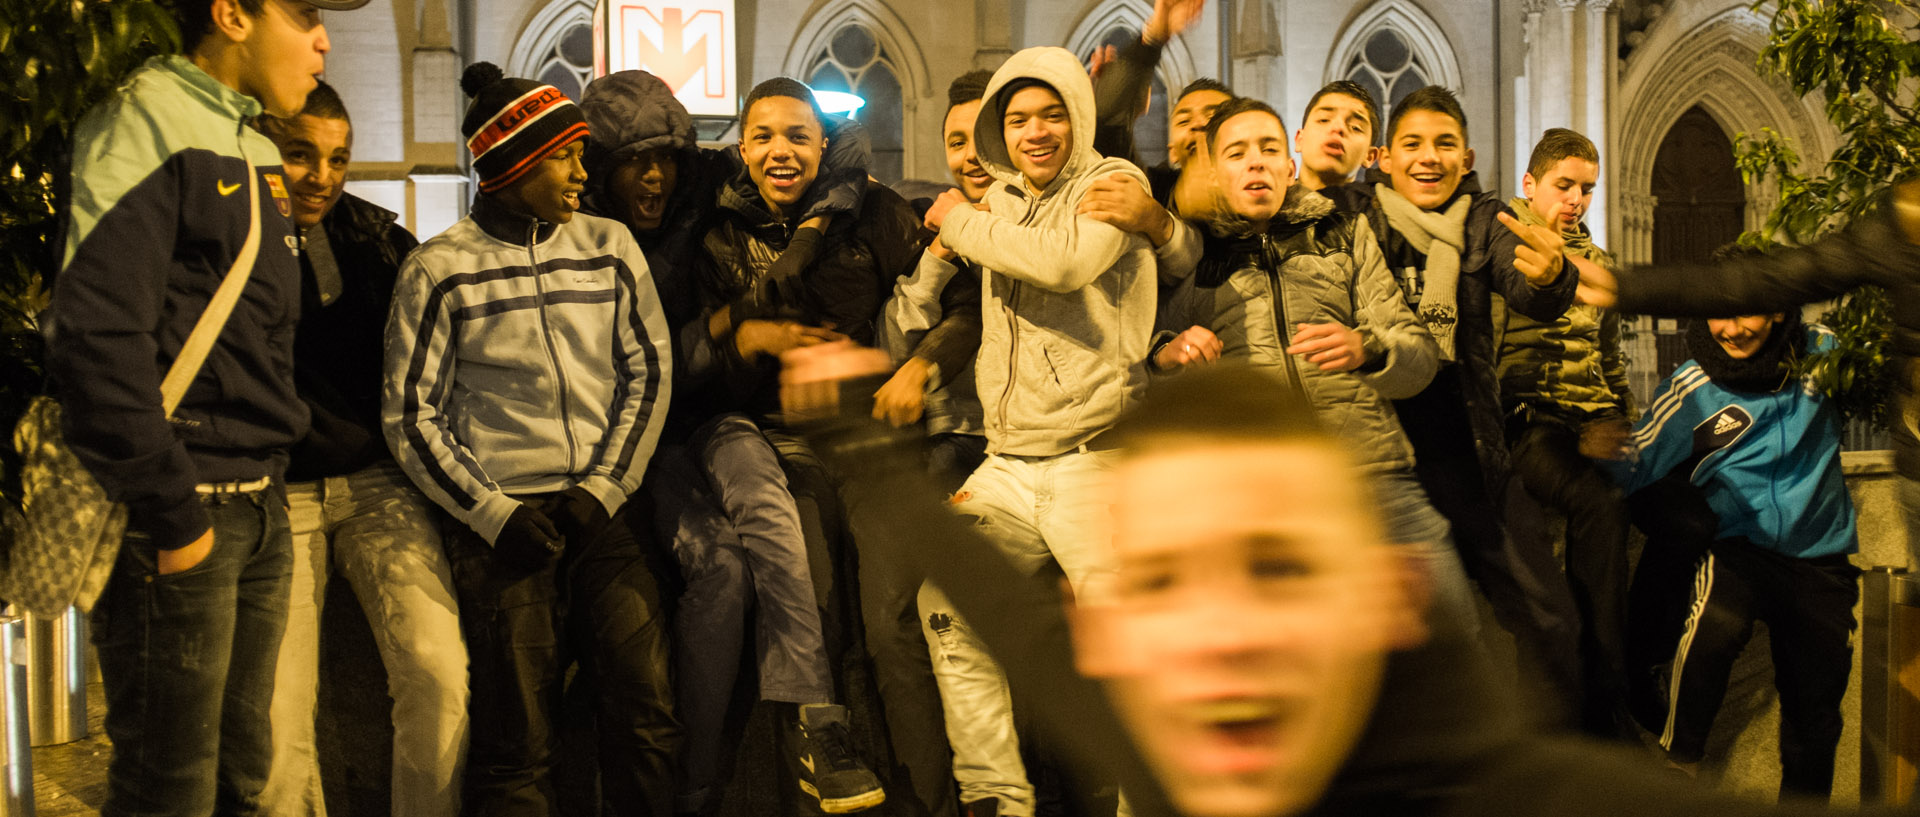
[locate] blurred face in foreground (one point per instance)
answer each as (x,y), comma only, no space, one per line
(1245,643)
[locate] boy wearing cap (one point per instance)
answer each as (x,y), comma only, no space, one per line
(527,377)
(168,186)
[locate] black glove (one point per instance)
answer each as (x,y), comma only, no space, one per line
(577,514)
(780,289)
(528,542)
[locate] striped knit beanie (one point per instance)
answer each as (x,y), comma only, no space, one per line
(512,124)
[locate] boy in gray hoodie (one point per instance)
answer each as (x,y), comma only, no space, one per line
(1068,305)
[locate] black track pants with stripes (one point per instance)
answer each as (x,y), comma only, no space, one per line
(1807,605)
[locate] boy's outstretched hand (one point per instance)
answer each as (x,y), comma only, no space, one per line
(810,377)
(1119,200)
(1170,18)
(1541,255)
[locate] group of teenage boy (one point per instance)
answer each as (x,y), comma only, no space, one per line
(573,447)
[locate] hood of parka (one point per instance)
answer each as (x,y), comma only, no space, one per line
(1058,68)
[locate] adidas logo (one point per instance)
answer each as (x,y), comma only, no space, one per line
(1725,424)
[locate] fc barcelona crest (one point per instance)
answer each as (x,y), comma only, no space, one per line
(280,199)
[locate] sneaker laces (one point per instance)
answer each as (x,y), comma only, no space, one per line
(837,744)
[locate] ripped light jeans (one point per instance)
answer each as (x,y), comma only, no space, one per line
(381,534)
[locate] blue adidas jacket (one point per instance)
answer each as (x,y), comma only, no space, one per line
(1768,463)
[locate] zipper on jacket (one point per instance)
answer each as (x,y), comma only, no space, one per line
(1013,333)
(546,334)
(1280,313)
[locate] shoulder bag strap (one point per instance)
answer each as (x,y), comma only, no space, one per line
(207,330)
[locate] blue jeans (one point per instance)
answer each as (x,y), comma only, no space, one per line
(1423,534)
(188,660)
(735,529)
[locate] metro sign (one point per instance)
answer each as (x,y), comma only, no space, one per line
(689,44)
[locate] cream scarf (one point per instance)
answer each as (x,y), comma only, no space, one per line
(1441,235)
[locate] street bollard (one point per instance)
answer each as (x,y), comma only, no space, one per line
(1889,686)
(16,756)
(57,678)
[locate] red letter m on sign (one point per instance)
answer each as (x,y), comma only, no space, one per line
(685,45)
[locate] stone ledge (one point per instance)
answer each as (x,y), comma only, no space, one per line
(1866,463)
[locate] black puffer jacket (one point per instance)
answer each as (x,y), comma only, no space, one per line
(634,111)
(1486,265)
(850,278)
(338,351)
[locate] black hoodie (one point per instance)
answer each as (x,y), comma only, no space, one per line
(338,351)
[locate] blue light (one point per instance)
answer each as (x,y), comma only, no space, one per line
(840,102)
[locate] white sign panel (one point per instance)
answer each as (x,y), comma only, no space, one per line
(689,44)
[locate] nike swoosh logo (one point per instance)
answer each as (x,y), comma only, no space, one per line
(227,189)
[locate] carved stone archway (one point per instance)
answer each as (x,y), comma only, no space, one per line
(1705,59)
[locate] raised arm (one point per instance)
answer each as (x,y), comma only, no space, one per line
(1061,259)
(1539,300)
(1872,250)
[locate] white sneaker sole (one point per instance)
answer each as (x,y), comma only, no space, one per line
(846,805)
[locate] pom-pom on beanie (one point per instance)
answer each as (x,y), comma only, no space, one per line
(512,124)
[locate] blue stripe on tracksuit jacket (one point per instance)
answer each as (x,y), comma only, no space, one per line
(1768,463)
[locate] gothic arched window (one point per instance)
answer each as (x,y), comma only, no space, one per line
(855,62)
(569,64)
(1388,67)
(557,47)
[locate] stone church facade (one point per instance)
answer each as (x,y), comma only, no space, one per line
(1663,88)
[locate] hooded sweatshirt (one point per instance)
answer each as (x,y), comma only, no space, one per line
(1067,301)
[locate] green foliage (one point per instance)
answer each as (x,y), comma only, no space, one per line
(57,58)
(1860,56)
(1854,373)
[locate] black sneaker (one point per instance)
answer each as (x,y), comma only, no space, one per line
(829,769)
